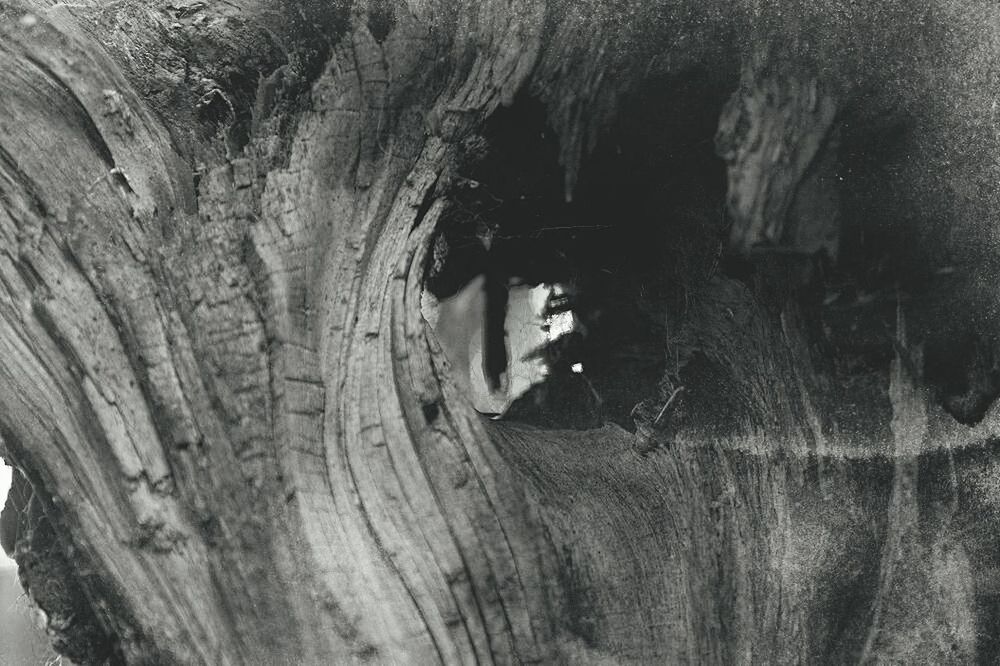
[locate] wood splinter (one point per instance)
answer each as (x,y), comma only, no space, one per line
(645,434)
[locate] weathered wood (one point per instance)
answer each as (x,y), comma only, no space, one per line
(245,441)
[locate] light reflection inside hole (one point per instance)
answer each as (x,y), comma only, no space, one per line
(537,315)
(559,324)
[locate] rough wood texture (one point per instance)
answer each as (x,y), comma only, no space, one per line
(215,221)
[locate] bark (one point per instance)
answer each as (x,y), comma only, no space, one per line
(239,441)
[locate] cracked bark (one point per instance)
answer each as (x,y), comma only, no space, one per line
(241,436)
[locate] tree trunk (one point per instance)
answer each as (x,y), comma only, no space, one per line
(238,440)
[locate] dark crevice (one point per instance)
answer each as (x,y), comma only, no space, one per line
(966,373)
(887,266)
(660,301)
(647,202)
(431,411)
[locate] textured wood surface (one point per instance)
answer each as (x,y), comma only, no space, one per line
(215,221)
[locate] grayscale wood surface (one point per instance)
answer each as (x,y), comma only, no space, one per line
(238,438)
